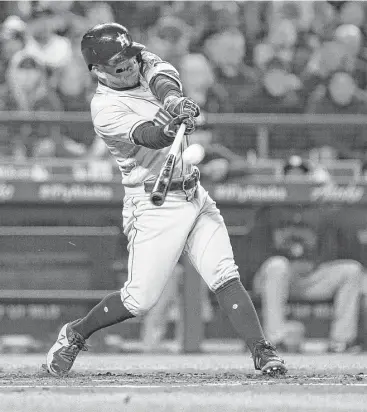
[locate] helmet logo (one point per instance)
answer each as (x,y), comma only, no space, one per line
(122,38)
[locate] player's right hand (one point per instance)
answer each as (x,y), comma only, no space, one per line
(172,127)
(176,106)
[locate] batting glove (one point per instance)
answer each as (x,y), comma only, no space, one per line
(172,127)
(181,105)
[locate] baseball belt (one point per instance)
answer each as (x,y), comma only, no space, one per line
(185,183)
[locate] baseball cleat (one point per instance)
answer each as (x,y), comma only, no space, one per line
(267,360)
(61,357)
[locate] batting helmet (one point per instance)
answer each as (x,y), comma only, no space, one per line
(107,40)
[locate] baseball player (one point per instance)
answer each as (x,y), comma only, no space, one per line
(137,109)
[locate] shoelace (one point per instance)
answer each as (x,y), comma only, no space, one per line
(70,352)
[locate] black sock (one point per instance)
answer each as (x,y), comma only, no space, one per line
(236,303)
(109,311)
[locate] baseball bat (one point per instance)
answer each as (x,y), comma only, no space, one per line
(164,178)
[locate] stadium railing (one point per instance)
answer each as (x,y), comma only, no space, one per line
(262,124)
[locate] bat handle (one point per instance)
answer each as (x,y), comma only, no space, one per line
(160,188)
(178,140)
(164,179)
(157,199)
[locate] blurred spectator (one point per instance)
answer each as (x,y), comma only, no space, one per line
(226,52)
(142,15)
(352,12)
(198,80)
(219,16)
(197,77)
(98,12)
(43,26)
(324,61)
(300,13)
(303,251)
(324,21)
(14,37)
(282,37)
(169,38)
(73,83)
(75,87)
(279,91)
(29,83)
(199,83)
(303,50)
(350,37)
(339,96)
(222,15)
(30,91)
(253,24)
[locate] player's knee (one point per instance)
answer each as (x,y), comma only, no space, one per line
(354,272)
(138,306)
(226,283)
(145,305)
(276,266)
(225,275)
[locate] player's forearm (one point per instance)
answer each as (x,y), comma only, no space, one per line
(151,136)
(163,86)
(158,137)
(168,91)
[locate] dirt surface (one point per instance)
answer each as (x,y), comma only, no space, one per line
(183,369)
(178,378)
(184,383)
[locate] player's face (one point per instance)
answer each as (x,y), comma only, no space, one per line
(122,74)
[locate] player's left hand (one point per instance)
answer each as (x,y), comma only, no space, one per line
(172,127)
(181,105)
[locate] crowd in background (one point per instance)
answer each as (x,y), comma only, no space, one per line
(233,56)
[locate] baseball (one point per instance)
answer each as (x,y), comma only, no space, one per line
(194,154)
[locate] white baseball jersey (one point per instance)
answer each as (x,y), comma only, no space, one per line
(117,113)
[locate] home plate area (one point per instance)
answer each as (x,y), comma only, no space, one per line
(204,383)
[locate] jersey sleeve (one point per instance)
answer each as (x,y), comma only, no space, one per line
(152,65)
(117,123)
